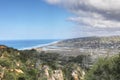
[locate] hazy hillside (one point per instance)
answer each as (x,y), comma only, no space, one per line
(95,46)
(91,42)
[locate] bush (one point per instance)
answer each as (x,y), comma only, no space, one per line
(9,76)
(49,57)
(5,63)
(105,69)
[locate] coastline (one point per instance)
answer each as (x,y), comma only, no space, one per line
(40,45)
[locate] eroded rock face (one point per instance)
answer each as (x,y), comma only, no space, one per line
(59,74)
(78,76)
(2,47)
(75,75)
(2,69)
(52,74)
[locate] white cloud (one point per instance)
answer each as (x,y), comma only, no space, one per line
(95,22)
(95,13)
(94,17)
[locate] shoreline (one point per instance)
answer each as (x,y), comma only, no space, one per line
(40,46)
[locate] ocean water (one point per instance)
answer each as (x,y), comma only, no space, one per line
(26,44)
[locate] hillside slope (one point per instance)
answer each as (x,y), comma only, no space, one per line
(31,65)
(91,42)
(96,46)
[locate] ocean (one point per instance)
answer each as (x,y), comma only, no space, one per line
(26,44)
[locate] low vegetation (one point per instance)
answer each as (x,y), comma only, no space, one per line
(32,65)
(105,69)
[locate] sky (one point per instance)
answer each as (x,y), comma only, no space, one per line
(58,19)
(33,19)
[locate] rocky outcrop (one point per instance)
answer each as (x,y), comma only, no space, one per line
(2,71)
(78,75)
(2,47)
(58,75)
(49,74)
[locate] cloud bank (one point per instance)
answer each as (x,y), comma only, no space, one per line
(93,13)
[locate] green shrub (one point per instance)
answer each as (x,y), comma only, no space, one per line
(105,69)
(9,76)
(5,63)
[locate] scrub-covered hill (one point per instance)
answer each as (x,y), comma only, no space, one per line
(32,65)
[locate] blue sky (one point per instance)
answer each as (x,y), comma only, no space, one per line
(33,19)
(58,19)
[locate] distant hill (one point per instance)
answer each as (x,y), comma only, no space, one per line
(91,42)
(96,46)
